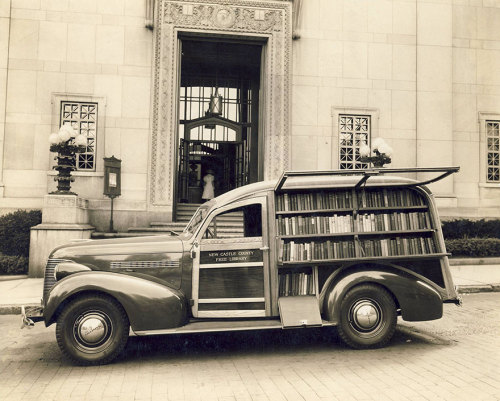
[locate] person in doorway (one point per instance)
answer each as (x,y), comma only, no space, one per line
(193,175)
(208,185)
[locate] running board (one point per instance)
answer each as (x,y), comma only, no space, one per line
(204,326)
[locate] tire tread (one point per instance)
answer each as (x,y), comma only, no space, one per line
(392,324)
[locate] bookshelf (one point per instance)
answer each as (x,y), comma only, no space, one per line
(299,281)
(317,227)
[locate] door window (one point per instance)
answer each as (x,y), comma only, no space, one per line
(242,222)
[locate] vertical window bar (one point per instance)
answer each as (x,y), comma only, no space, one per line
(354,132)
(493,151)
(82,116)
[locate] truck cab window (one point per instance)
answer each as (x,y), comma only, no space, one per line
(242,222)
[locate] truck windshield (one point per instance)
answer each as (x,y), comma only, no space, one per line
(196,220)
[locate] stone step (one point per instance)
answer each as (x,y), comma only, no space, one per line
(166,230)
(185,220)
(229,232)
(101,235)
(172,225)
(187,207)
(230,222)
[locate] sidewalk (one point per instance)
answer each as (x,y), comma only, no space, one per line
(483,276)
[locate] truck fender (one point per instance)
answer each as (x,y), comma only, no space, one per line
(149,305)
(417,300)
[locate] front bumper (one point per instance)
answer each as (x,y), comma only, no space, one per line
(30,315)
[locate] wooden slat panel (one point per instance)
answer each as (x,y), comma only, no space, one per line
(237,282)
(225,265)
(232,313)
(232,306)
(219,300)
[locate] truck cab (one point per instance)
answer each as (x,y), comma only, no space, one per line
(312,249)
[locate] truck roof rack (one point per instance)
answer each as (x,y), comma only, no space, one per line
(365,174)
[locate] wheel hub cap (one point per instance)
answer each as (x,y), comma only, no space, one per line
(365,316)
(92,330)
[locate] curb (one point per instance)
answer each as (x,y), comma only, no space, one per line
(473,289)
(13,309)
(462,289)
(13,277)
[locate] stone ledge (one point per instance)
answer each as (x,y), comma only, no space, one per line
(13,277)
(474,261)
(68,227)
(13,309)
(473,289)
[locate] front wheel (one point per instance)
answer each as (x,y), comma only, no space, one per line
(367,317)
(92,329)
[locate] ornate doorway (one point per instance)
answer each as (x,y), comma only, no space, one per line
(270,24)
(218,115)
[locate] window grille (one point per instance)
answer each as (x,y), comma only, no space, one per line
(493,151)
(354,133)
(83,118)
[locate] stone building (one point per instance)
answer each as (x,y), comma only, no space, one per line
(300,84)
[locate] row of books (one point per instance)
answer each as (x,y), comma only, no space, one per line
(299,225)
(397,246)
(393,221)
(292,251)
(314,201)
(292,284)
(391,198)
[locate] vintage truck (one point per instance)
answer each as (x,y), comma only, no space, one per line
(350,249)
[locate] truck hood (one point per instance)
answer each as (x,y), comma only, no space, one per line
(119,246)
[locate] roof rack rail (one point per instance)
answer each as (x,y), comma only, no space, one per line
(367,173)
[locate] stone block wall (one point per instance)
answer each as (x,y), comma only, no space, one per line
(426,71)
(73,50)
(430,71)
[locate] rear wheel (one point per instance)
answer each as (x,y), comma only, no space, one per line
(367,317)
(92,329)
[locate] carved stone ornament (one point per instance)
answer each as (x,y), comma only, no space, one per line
(270,20)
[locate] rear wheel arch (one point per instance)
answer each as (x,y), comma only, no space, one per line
(345,278)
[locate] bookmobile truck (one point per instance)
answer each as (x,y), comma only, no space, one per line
(350,249)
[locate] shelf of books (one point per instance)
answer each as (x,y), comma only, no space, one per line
(300,281)
(325,226)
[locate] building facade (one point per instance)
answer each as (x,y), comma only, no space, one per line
(247,89)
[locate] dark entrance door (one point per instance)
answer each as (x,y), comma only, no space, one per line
(227,141)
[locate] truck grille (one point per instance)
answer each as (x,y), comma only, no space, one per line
(49,279)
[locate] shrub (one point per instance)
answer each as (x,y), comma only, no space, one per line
(13,264)
(464,228)
(15,231)
(473,247)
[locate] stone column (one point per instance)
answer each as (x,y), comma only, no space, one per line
(64,218)
(4,60)
(434,93)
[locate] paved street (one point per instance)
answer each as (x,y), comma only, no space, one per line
(455,358)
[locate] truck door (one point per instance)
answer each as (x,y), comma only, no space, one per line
(231,269)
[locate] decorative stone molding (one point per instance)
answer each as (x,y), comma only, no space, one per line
(269,21)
